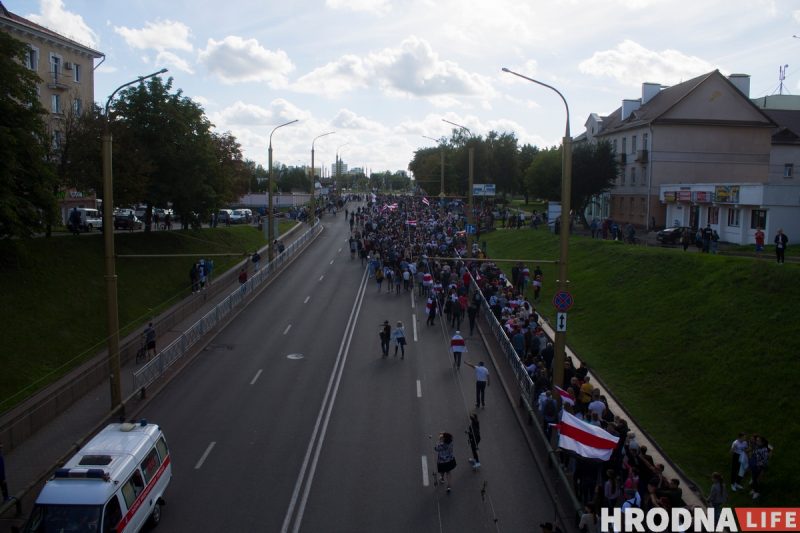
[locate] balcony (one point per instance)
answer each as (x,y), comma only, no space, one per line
(641,156)
(57,81)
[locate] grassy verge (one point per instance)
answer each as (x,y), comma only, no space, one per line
(54,295)
(698,347)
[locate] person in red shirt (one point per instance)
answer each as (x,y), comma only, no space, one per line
(759,241)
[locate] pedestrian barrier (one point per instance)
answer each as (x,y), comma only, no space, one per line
(161,362)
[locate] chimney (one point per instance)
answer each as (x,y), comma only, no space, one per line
(741,82)
(649,90)
(629,106)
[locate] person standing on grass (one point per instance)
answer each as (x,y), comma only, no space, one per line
(718,496)
(738,461)
(759,459)
(759,241)
(781,240)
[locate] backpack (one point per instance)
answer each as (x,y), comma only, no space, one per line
(379,274)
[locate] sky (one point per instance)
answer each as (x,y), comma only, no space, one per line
(383,74)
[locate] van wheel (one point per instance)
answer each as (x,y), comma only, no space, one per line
(155,516)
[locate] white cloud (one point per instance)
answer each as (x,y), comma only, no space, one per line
(347,119)
(796,15)
(241,113)
(68,24)
(168,59)
(236,60)
(159,35)
(377,7)
(631,64)
(411,70)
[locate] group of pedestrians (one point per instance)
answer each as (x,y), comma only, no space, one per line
(386,335)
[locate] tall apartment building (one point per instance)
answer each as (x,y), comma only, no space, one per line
(65,66)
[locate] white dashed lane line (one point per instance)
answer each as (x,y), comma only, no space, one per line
(322,277)
(419,388)
(287,329)
(205,456)
(255,378)
(307,299)
(425,477)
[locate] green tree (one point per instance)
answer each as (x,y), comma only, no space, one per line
(527,153)
(293,179)
(27,180)
(594,170)
(543,175)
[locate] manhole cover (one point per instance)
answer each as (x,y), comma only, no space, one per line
(294,356)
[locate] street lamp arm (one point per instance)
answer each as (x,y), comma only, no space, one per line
(137,80)
(318,136)
(278,127)
(458,126)
(566,105)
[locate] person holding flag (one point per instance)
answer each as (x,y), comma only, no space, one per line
(458,346)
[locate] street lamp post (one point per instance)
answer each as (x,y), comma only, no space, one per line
(441,158)
(271,234)
(566,191)
(112,310)
(470,213)
(312,203)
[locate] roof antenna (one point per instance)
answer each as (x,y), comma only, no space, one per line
(781,77)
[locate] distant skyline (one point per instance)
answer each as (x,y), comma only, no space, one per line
(384,73)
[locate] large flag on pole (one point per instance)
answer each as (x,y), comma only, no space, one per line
(592,442)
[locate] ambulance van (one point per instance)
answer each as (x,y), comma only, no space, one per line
(115,483)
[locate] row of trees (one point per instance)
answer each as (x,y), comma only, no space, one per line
(516,170)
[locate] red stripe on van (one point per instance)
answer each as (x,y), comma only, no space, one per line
(142,496)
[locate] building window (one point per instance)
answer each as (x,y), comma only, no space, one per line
(644,141)
(76,106)
(733,218)
(624,145)
(633,175)
(76,69)
(55,103)
(55,65)
(614,143)
(758,219)
(788,170)
(622,176)
(32,58)
(633,144)
(642,205)
(631,202)
(713,215)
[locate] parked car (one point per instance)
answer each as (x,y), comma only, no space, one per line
(238,216)
(127,221)
(673,235)
(90,219)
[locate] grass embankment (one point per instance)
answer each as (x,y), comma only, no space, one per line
(697,347)
(54,294)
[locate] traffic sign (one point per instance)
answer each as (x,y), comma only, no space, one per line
(561,321)
(562,300)
(470,229)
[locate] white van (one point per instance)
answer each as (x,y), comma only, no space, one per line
(113,484)
(90,219)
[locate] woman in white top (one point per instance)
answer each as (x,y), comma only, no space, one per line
(399,335)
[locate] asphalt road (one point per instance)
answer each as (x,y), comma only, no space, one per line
(291,420)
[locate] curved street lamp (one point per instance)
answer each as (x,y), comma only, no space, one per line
(270,230)
(470,214)
(313,202)
(566,186)
(112,311)
(441,157)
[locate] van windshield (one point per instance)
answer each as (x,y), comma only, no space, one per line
(66,518)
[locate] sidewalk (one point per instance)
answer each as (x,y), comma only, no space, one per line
(31,463)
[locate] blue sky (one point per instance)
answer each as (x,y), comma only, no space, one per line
(383,73)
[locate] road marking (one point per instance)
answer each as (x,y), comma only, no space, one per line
(307,299)
(414,324)
(322,276)
(413,305)
(205,455)
(419,387)
(258,374)
(287,329)
(426,481)
(340,250)
(332,260)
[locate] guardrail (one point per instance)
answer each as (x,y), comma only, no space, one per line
(161,362)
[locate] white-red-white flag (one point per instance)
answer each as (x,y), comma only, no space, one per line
(411,222)
(426,201)
(565,396)
(592,442)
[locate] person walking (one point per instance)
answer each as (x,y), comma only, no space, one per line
(445,458)
(781,240)
(256,260)
(718,496)
(759,236)
(150,340)
(385,333)
(430,308)
(243,279)
(472,315)
(474,438)
(481,382)
(738,461)
(458,346)
(399,335)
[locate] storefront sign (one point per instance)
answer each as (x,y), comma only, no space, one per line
(727,194)
(684,196)
(702,197)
